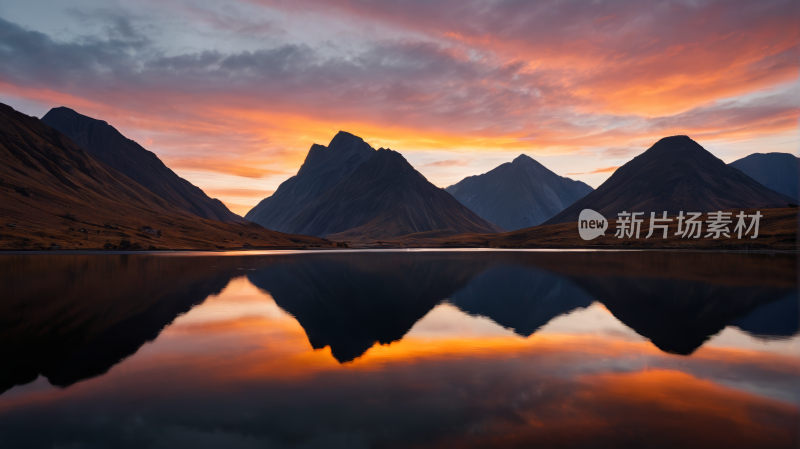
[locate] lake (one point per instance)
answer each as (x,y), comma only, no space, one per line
(395,349)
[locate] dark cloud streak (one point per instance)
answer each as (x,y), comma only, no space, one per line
(461,82)
(390,78)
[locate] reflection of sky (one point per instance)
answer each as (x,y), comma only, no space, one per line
(447,327)
(241,300)
(238,371)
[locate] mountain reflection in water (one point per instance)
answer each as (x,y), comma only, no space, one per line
(228,373)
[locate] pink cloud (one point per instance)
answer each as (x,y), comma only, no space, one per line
(447,163)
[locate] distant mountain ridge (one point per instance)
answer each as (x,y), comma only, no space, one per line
(350,191)
(675,174)
(108,145)
(322,169)
(518,194)
(777,171)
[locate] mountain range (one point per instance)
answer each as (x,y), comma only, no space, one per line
(777,171)
(54,194)
(675,174)
(518,194)
(109,146)
(348,190)
(71,179)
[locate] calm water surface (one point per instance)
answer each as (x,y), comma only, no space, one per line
(400,349)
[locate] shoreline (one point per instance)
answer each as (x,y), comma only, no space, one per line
(256,251)
(777,233)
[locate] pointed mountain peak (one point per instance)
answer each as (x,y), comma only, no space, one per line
(345,139)
(344,143)
(343,147)
(518,194)
(322,169)
(522,158)
(675,174)
(528,163)
(385,197)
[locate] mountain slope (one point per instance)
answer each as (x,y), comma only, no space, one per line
(52,192)
(323,167)
(777,171)
(676,174)
(519,194)
(108,145)
(385,197)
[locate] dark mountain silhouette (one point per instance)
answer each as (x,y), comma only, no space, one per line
(679,300)
(70,318)
(676,174)
(54,192)
(777,171)
(520,298)
(386,197)
(678,316)
(669,299)
(352,301)
(773,321)
(518,194)
(108,145)
(322,169)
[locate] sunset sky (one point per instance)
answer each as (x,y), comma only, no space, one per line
(231,95)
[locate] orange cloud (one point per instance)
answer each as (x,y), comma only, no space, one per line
(243,168)
(624,58)
(599,170)
(242,193)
